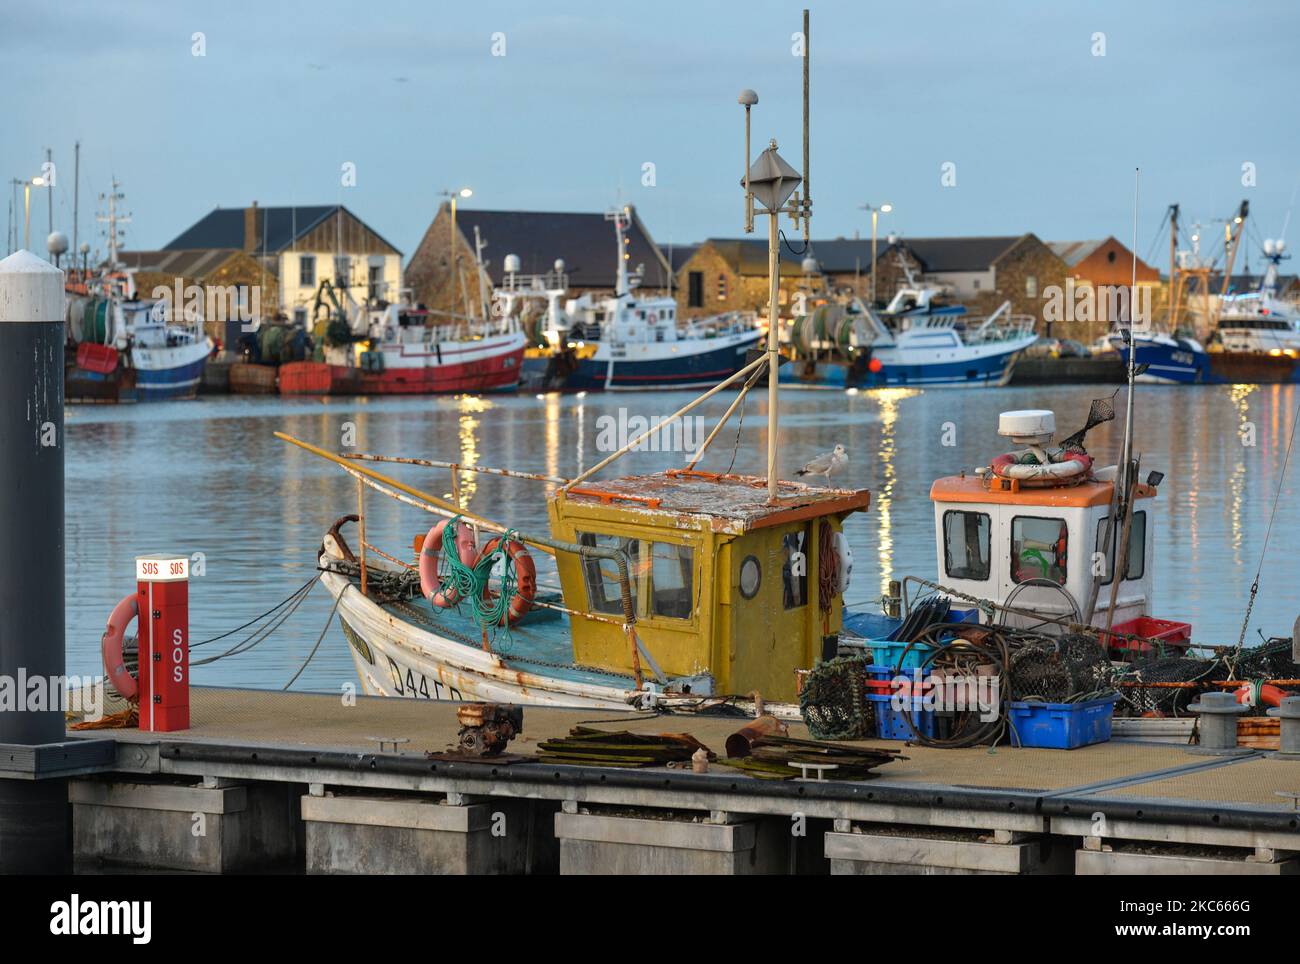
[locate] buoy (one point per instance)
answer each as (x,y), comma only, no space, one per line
(441,596)
(111,648)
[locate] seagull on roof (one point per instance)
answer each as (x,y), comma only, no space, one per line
(827,464)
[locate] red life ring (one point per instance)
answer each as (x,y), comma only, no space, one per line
(111,648)
(525,578)
(444,598)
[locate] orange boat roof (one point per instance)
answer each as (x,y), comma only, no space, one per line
(972,488)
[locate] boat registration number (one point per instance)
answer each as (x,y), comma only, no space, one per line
(418,686)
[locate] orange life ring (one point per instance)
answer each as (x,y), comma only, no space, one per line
(433,590)
(525,578)
(111,648)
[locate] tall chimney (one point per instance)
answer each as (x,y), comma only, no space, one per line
(250,228)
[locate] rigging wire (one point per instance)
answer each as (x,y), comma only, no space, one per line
(1277,495)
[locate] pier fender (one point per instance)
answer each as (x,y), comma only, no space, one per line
(525,577)
(444,597)
(111,648)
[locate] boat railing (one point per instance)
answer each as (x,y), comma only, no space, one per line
(1002,325)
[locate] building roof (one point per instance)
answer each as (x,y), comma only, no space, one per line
(960,254)
(279,228)
(678,254)
(585,241)
(846,255)
(1072,252)
(182,264)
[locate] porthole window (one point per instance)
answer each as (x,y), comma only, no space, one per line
(751,577)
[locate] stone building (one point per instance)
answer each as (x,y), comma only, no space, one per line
(984,272)
(723,275)
(845,263)
(442,273)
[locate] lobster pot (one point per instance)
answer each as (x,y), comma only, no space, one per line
(131,660)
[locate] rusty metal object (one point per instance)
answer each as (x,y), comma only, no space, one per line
(342,543)
(486,728)
(741,743)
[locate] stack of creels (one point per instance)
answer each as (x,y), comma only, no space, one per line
(1061,670)
(833,700)
(1165,686)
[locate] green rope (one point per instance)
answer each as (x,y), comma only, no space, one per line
(470,583)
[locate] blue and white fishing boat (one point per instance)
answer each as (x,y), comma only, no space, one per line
(629,342)
(915,341)
(130,349)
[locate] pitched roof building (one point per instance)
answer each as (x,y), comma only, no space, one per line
(302,247)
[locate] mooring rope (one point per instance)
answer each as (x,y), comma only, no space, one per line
(471,582)
(319,639)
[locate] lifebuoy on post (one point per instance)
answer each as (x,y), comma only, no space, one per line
(111,648)
(518,556)
(466,552)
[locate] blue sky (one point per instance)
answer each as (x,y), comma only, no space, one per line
(1044,134)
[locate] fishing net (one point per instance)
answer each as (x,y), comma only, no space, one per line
(1101,410)
(1066,669)
(1164,686)
(833,700)
(1270,660)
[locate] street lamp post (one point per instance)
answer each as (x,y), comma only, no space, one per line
(453,259)
(28,184)
(875,214)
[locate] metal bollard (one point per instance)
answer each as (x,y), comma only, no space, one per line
(1218,712)
(1289,740)
(33,812)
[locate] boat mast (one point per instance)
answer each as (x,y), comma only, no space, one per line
(1173,269)
(1126,467)
(620,285)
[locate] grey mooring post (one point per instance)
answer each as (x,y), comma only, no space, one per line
(33,812)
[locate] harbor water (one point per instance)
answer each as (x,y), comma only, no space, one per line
(208,477)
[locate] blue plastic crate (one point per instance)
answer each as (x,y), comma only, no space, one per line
(871,625)
(880,672)
(891,724)
(885,652)
(1061,726)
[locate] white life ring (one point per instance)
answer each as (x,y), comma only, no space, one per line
(1068,469)
(843,561)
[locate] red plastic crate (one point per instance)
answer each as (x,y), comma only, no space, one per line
(1170,632)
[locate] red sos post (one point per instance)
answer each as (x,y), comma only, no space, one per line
(163,597)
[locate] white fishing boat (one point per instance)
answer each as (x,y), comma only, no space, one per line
(627,342)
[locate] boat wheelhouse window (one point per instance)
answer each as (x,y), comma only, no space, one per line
(967,542)
(1039,549)
(660,572)
(1136,557)
(307,271)
(695,289)
(671,578)
(603,591)
(794,569)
